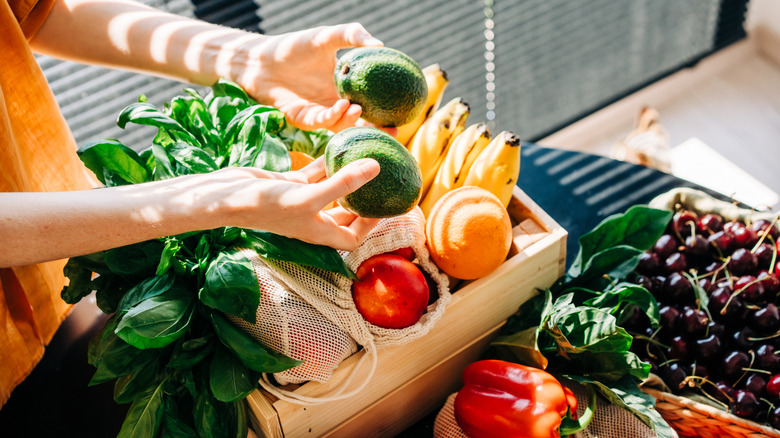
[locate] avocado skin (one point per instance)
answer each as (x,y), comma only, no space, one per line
(392,95)
(398,187)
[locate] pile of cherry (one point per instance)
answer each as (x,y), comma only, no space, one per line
(718,291)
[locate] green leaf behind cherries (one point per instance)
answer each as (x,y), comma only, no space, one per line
(574,327)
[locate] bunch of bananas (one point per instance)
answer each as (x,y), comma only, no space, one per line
(451,153)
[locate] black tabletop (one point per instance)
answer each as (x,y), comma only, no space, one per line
(577,190)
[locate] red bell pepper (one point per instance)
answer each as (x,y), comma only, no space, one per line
(505,399)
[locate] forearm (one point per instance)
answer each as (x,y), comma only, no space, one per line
(36,227)
(128,35)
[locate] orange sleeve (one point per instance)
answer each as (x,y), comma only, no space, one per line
(31,14)
(37,153)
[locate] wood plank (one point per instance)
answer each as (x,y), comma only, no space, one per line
(417,398)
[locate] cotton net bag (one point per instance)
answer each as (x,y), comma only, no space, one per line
(609,421)
(308,314)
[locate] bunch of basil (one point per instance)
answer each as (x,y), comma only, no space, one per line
(574,327)
(173,354)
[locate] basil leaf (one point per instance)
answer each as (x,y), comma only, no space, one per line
(165,165)
(274,156)
(224,87)
(113,163)
(139,259)
(311,143)
(625,394)
(275,247)
(603,366)
(576,329)
(639,227)
(240,416)
(145,289)
(79,282)
(127,387)
(626,296)
(143,113)
(210,420)
(187,354)
(114,357)
(109,290)
(231,286)
(255,126)
(521,347)
(248,142)
(251,353)
(615,262)
(192,113)
(145,415)
(173,424)
(229,379)
(223,109)
(191,159)
(172,247)
(95,262)
(159,320)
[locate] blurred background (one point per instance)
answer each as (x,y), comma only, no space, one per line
(563,74)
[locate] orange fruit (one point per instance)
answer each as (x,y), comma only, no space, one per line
(299,160)
(468,233)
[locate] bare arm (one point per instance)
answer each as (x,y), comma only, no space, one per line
(292,72)
(37,227)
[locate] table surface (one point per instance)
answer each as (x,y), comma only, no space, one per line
(577,190)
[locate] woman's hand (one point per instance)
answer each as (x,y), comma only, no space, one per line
(291,203)
(294,73)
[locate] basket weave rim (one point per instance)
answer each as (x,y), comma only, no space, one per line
(710,411)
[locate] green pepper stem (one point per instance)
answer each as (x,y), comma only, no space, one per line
(570,426)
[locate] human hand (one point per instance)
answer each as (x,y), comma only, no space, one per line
(294,73)
(291,203)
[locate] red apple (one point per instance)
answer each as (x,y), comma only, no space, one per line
(391,292)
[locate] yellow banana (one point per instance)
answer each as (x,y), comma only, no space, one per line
(431,142)
(453,170)
(437,81)
(496,169)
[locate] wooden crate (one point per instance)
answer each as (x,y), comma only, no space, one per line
(412,379)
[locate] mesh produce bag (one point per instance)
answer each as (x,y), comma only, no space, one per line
(288,324)
(309,313)
(609,421)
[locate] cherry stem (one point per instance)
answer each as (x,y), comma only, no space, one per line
(756,370)
(737,292)
(765,233)
(746,369)
(706,380)
(765,338)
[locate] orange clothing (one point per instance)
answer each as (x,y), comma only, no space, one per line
(37,153)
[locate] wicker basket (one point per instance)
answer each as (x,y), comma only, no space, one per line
(694,419)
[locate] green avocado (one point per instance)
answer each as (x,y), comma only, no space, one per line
(388,84)
(397,188)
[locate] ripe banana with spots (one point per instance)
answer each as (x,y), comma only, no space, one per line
(431,142)
(437,81)
(465,149)
(496,169)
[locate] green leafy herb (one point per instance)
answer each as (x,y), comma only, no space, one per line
(574,327)
(252,354)
(231,286)
(145,415)
(159,320)
(229,379)
(183,366)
